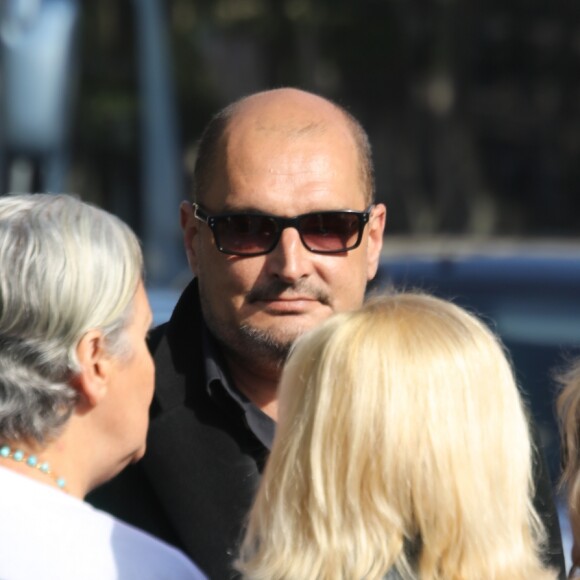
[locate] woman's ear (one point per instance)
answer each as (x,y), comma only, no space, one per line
(92,381)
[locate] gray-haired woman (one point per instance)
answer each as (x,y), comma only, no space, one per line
(76,382)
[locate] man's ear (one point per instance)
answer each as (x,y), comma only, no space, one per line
(93,379)
(376,228)
(189,226)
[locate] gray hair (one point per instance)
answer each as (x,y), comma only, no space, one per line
(67,267)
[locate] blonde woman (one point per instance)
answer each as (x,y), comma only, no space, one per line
(402,451)
(568,408)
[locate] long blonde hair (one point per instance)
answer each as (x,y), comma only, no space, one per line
(403,445)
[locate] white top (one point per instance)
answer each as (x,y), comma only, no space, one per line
(47,534)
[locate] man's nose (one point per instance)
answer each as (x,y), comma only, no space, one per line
(290,260)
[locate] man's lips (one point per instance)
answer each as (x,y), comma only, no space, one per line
(284,295)
(294,304)
(289,299)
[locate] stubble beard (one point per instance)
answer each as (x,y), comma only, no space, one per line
(252,346)
(265,345)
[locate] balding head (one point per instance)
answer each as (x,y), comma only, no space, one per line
(289,112)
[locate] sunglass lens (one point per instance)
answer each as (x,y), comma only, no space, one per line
(246,234)
(330,231)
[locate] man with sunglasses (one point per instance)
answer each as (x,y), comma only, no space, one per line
(282,232)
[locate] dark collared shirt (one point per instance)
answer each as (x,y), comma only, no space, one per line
(220,388)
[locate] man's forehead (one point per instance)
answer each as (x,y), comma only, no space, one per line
(265,140)
(264,128)
(289,113)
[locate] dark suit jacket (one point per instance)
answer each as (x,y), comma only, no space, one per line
(202,466)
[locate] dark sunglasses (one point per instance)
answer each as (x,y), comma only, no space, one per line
(254,234)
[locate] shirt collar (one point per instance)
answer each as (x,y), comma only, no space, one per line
(220,387)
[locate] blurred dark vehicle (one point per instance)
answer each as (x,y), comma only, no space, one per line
(531,298)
